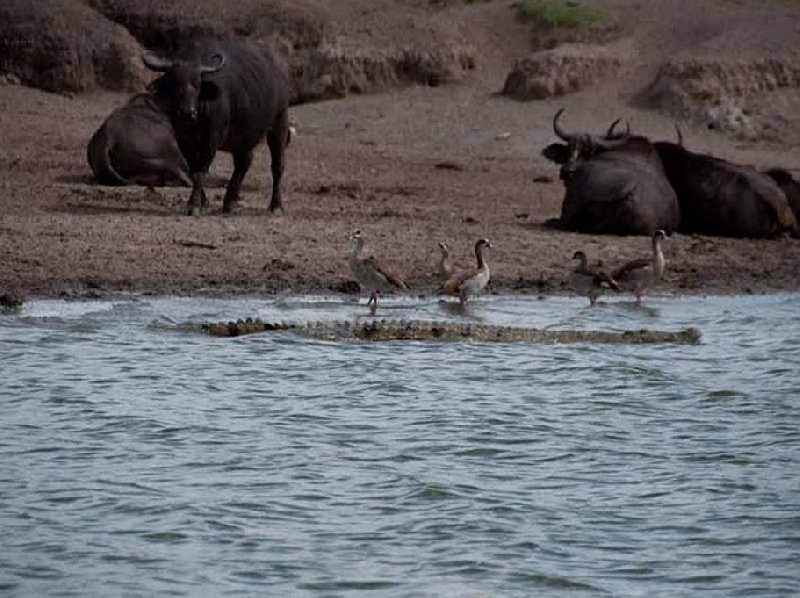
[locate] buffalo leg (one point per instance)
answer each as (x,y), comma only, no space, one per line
(197,200)
(277,139)
(241,164)
(199,163)
(160,172)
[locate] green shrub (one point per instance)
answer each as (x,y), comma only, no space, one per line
(562,14)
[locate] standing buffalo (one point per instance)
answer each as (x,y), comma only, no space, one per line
(614,184)
(789,186)
(225,95)
(718,197)
(136,145)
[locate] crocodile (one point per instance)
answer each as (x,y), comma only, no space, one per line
(391,330)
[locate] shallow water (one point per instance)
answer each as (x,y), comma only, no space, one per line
(140,462)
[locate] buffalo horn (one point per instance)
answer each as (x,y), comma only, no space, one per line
(623,135)
(219,60)
(611,135)
(155,64)
(557,129)
(680,134)
(612,140)
(610,132)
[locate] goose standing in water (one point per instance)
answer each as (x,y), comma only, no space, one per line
(472,281)
(589,281)
(371,276)
(642,272)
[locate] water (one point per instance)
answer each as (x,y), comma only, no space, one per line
(138,462)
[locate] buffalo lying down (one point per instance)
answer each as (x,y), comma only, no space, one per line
(614,184)
(225,95)
(718,197)
(136,145)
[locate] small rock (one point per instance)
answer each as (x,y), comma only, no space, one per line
(349,287)
(447,165)
(11,300)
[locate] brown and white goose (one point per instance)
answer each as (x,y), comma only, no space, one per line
(640,273)
(473,281)
(371,276)
(588,281)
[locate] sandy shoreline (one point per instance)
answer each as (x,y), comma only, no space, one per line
(409,167)
(365,162)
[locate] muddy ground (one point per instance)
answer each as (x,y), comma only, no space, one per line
(409,167)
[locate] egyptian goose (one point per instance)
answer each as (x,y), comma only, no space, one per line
(638,273)
(371,276)
(589,281)
(472,281)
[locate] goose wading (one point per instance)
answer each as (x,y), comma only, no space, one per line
(590,282)
(643,272)
(471,282)
(369,273)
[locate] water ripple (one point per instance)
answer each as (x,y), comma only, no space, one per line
(134,462)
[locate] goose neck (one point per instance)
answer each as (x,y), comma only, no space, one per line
(480,256)
(358,246)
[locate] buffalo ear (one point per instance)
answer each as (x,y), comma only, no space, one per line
(209,91)
(556,152)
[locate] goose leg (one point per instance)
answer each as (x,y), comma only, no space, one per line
(373,302)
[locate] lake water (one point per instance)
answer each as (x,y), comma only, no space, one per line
(138,462)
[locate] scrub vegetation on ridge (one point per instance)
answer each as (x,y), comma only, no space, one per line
(559,14)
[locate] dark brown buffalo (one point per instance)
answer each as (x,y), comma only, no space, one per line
(614,184)
(720,198)
(789,186)
(136,145)
(225,95)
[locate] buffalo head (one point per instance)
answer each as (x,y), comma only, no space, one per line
(581,146)
(182,84)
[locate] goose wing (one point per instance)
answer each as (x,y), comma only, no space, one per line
(453,284)
(391,278)
(632,266)
(601,278)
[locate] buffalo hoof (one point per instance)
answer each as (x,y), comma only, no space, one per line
(229,207)
(195,210)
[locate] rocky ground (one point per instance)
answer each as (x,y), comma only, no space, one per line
(435,155)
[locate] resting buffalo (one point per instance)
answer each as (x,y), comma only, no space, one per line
(718,197)
(614,184)
(790,188)
(136,145)
(225,95)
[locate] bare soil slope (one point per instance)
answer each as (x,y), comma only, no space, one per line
(450,161)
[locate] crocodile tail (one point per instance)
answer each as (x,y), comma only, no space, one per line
(97,154)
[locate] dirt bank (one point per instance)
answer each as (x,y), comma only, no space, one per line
(409,168)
